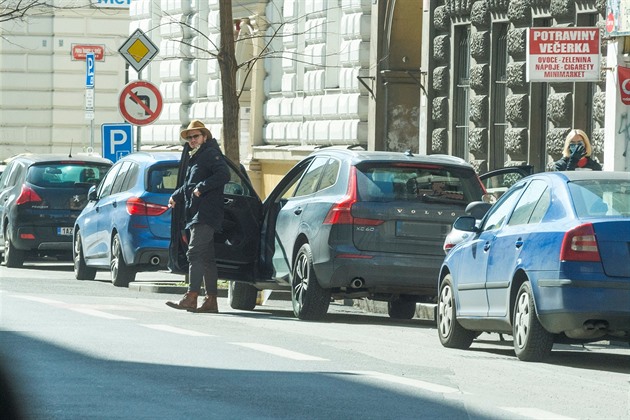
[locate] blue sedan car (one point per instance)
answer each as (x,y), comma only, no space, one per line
(125,227)
(548,263)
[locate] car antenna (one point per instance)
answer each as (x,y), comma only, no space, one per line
(70,154)
(408,153)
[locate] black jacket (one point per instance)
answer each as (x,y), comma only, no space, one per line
(208,172)
(570,164)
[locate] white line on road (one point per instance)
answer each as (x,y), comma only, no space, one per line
(99,314)
(278,351)
(535,413)
(77,308)
(175,330)
(427,386)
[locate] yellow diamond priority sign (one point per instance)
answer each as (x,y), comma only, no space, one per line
(138,50)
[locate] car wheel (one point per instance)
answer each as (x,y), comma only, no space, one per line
(122,274)
(310,300)
(81,270)
(532,343)
(13,257)
(452,334)
(401,308)
(242,296)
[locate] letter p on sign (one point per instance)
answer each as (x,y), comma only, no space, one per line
(117,140)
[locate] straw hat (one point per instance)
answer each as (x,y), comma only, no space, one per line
(195,125)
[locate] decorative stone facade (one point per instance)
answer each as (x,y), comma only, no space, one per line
(511,121)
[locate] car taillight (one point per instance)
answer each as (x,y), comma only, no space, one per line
(341,212)
(28,195)
(580,244)
(138,207)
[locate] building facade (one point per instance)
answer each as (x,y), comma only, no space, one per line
(43,76)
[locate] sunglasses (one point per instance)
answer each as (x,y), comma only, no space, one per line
(194,136)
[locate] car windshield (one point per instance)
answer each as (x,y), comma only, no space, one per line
(66,174)
(163,178)
(601,198)
(427,183)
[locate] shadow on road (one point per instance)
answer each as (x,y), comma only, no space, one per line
(54,382)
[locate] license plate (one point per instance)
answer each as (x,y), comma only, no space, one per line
(65,231)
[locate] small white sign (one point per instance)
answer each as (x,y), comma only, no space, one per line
(89,103)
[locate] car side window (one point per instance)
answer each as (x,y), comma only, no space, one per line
(308,183)
(131,178)
(13,174)
(501,210)
(105,187)
(329,176)
(120,178)
(526,204)
(235,185)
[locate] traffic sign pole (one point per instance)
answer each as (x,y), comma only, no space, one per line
(89,94)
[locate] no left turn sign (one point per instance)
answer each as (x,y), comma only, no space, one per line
(140,102)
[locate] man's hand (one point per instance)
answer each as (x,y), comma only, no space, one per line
(171,202)
(196,192)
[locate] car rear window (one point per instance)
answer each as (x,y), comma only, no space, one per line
(601,198)
(66,174)
(426,183)
(162,179)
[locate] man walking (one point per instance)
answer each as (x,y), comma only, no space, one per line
(202,194)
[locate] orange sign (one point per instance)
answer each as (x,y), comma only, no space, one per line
(79,51)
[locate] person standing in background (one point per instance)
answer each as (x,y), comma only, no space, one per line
(202,194)
(577,153)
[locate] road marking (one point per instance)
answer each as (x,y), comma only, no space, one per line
(278,351)
(175,330)
(94,312)
(415,383)
(535,413)
(81,308)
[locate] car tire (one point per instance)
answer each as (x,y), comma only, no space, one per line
(122,274)
(452,334)
(13,257)
(310,300)
(401,308)
(242,296)
(532,343)
(81,270)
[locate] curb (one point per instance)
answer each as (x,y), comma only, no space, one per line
(423,310)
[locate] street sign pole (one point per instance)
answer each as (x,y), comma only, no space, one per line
(89,95)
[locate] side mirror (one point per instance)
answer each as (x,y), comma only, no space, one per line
(466,224)
(478,209)
(92,193)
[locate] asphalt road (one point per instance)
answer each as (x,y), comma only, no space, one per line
(86,349)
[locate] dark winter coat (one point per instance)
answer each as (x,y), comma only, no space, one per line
(571,164)
(208,172)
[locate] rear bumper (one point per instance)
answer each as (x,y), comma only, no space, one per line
(43,239)
(382,273)
(566,304)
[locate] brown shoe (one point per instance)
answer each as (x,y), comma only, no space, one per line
(209,305)
(189,301)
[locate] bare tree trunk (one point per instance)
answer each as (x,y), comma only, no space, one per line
(229,66)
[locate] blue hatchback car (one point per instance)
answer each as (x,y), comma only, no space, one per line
(125,227)
(548,263)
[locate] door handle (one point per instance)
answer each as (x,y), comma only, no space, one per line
(228,201)
(518,243)
(298,211)
(486,246)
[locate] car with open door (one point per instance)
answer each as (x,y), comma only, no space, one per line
(342,223)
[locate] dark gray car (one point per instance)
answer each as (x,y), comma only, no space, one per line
(343,224)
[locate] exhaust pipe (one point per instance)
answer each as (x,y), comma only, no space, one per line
(356,283)
(155,260)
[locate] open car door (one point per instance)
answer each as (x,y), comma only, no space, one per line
(499,181)
(237,245)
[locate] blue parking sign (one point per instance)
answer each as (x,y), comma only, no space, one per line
(117,140)
(89,70)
